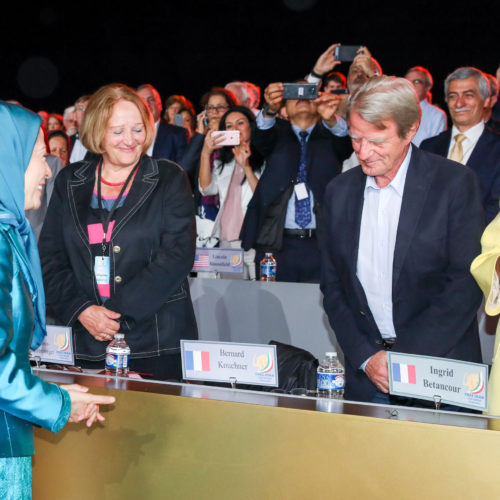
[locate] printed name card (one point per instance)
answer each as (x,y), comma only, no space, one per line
(222,361)
(220,260)
(57,346)
(455,382)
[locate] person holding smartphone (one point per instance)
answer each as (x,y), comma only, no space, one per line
(216,103)
(234,178)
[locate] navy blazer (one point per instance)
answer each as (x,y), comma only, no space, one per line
(151,253)
(281,149)
(435,298)
(484,160)
(170,142)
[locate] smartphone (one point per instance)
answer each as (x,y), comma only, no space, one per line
(178,120)
(300,91)
(339,91)
(346,52)
(229,137)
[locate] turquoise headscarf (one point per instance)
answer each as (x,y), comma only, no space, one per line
(18,132)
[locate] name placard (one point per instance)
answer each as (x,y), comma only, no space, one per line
(221,361)
(220,260)
(57,346)
(459,383)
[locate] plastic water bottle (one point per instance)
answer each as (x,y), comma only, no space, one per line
(331,377)
(268,268)
(117,356)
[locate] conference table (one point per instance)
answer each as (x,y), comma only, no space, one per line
(168,440)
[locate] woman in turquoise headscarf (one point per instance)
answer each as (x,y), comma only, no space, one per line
(25,399)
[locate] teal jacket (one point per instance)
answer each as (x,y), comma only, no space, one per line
(24,398)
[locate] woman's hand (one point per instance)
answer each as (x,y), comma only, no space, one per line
(200,122)
(211,143)
(100,322)
(242,153)
(85,406)
(212,140)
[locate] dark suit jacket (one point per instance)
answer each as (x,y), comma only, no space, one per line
(170,142)
(190,162)
(494,125)
(151,253)
(281,149)
(435,299)
(484,160)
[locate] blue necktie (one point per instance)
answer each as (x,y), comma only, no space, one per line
(302,207)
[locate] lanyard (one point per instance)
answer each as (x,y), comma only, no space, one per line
(107,219)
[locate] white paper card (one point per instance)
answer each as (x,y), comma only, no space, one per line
(301,191)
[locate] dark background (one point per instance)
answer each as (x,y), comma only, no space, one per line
(53,52)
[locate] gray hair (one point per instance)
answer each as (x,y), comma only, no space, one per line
(468,72)
(428,77)
(68,111)
(387,98)
(493,84)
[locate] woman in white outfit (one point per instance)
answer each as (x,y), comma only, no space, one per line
(234,178)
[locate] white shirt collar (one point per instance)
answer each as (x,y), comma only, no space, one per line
(471,134)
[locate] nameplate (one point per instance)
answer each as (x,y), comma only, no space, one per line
(451,381)
(57,346)
(219,260)
(222,361)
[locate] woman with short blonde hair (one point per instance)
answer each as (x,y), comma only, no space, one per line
(119,240)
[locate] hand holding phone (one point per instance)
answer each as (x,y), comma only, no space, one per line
(347,53)
(302,91)
(273,94)
(226,137)
(178,119)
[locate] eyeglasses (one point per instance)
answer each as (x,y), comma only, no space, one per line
(217,109)
(81,107)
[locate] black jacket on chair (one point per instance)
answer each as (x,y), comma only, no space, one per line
(151,253)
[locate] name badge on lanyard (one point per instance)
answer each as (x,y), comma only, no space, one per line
(301,191)
(101,269)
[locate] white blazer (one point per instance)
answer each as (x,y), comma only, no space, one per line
(220,185)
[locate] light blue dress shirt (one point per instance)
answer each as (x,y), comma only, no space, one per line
(340,130)
(377,239)
(433,122)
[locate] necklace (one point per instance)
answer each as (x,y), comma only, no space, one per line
(104,181)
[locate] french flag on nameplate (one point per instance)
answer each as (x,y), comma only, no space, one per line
(198,361)
(406,374)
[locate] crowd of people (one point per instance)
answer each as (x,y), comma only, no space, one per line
(364,189)
(267,219)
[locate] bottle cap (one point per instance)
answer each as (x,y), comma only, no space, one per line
(119,336)
(331,353)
